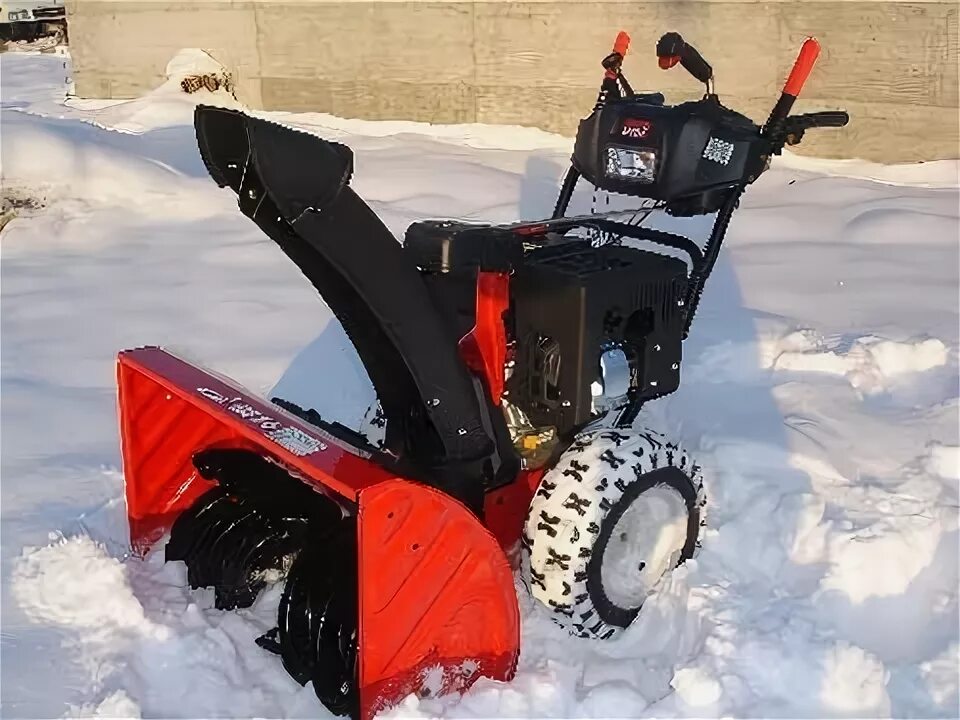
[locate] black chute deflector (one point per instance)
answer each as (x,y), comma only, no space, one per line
(295,187)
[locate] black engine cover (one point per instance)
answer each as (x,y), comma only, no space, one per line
(569,303)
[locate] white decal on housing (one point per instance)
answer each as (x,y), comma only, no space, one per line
(289,437)
(719,151)
(296,441)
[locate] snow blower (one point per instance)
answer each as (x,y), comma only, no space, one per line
(510,363)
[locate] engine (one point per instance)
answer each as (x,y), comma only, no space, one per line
(595,328)
(588,329)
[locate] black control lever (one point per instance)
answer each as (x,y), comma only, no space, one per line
(796,125)
(824,118)
(671,49)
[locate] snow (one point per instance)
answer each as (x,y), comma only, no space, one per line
(103,602)
(820,389)
(870,363)
(115,705)
(944,461)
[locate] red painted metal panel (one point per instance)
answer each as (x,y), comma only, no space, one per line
(436,595)
(484,348)
(505,509)
(170,409)
(436,592)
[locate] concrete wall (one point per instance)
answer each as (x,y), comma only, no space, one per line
(893,65)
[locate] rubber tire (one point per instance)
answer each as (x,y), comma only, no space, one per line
(577,506)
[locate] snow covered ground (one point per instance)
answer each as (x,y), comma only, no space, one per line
(820,387)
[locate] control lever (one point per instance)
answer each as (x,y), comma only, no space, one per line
(796,125)
(671,49)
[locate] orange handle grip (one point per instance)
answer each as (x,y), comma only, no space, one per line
(809,52)
(621,44)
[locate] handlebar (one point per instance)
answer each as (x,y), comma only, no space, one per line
(612,62)
(809,52)
(793,127)
(781,127)
(621,44)
(826,118)
(612,77)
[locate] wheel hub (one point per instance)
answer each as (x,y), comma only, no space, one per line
(645,543)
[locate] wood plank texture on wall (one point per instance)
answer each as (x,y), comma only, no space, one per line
(422,43)
(892,64)
(442,103)
(122,50)
(562,44)
(880,52)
